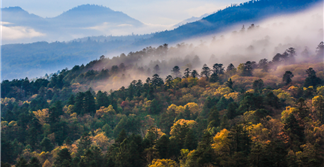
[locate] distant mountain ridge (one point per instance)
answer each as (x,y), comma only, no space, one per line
(53,55)
(251,11)
(94,15)
(190,20)
(83,20)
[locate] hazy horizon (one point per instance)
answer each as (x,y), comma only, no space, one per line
(165,13)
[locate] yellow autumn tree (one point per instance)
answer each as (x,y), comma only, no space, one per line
(289,110)
(101,140)
(163,163)
(105,111)
(189,123)
(221,142)
(47,163)
(41,115)
(233,95)
(193,107)
(222,91)
(177,109)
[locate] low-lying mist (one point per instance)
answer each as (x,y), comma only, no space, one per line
(251,42)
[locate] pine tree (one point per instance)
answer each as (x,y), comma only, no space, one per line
(213,119)
(63,158)
(84,144)
(121,137)
(295,132)
(162,146)
(190,141)
(46,144)
(34,162)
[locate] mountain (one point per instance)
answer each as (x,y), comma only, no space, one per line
(37,58)
(247,12)
(90,15)
(16,16)
(81,21)
(190,20)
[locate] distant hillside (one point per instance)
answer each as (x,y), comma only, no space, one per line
(190,20)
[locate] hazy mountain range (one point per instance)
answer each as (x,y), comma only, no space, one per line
(36,59)
(84,20)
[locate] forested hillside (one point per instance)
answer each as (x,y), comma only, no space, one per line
(264,113)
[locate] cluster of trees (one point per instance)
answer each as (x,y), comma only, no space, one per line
(257,114)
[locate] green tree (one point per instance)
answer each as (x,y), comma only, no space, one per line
(190,141)
(89,103)
(295,132)
(213,118)
(155,107)
(205,71)
(63,158)
(162,146)
(187,73)
(84,144)
(22,163)
(176,71)
(287,77)
(312,79)
(46,144)
(34,162)
(204,155)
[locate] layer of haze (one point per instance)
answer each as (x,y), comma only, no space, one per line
(156,15)
(157,12)
(265,40)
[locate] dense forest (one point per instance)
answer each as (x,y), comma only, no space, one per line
(266,113)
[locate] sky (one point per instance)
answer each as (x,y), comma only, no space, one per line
(154,12)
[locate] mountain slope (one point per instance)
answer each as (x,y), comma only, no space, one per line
(19,17)
(190,20)
(236,14)
(246,13)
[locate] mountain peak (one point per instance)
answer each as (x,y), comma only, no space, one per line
(89,8)
(13,9)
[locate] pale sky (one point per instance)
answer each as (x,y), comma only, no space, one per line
(155,12)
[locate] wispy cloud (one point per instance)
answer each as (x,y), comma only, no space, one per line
(12,33)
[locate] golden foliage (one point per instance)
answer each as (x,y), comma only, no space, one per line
(6,100)
(41,115)
(189,123)
(101,140)
(289,110)
(12,123)
(105,110)
(258,133)
(192,106)
(222,91)
(221,142)
(320,90)
(233,95)
(163,163)
(281,94)
(47,163)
